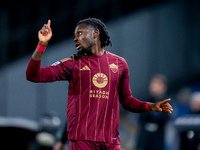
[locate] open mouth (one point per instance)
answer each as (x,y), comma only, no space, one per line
(78,46)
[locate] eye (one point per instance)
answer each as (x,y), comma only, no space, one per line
(79,33)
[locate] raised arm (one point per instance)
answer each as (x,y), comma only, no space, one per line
(59,71)
(33,70)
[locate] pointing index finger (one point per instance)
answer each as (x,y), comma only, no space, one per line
(49,23)
(167,100)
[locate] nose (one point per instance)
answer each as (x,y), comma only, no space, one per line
(75,38)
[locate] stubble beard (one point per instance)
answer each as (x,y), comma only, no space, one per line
(84,51)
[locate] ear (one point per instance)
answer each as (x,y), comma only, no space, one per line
(96,33)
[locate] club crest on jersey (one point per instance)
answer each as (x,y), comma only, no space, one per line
(114,68)
(100,80)
(56,63)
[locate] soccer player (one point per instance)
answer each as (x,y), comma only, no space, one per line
(98,82)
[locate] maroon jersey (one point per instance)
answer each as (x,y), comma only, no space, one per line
(96,86)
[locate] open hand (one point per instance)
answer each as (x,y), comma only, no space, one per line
(162,106)
(45,34)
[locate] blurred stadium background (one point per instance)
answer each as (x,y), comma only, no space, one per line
(157,36)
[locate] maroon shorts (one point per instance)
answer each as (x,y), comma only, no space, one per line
(90,145)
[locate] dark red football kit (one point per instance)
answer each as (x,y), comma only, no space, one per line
(97,84)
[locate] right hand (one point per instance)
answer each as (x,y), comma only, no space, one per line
(161,106)
(45,34)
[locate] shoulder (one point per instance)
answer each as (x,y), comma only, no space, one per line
(68,62)
(121,62)
(63,61)
(115,56)
(121,59)
(72,58)
(66,59)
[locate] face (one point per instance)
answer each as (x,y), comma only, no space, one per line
(84,37)
(195,105)
(157,87)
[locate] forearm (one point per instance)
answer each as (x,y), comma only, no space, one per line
(32,71)
(37,54)
(134,105)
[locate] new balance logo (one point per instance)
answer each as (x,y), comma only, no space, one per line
(85,68)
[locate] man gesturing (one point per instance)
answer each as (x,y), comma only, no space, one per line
(98,82)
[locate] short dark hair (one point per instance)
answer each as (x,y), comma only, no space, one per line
(98,24)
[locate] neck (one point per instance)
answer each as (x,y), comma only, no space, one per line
(97,49)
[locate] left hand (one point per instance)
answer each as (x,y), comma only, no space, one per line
(45,34)
(162,106)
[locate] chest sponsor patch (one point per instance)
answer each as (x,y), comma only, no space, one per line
(100,80)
